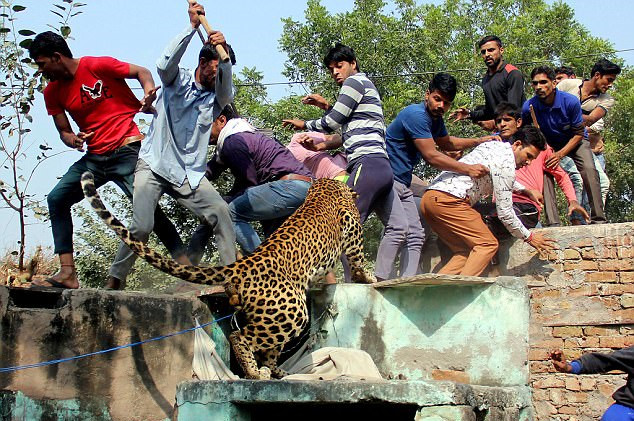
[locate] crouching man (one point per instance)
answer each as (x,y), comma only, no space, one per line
(447,204)
(270,183)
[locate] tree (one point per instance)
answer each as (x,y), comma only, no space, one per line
(17,89)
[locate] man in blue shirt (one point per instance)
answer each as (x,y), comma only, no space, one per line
(173,158)
(558,115)
(413,135)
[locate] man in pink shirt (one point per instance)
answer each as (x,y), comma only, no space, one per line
(321,164)
(508,122)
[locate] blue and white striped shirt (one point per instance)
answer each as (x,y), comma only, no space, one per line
(359,114)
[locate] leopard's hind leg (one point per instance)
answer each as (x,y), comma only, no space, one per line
(246,359)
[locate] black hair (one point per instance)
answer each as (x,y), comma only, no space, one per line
(445,84)
(531,136)
(229,111)
(605,67)
(208,53)
(548,71)
(506,108)
(48,43)
(490,38)
(566,70)
(340,52)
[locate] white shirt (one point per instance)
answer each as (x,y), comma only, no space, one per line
(498,157)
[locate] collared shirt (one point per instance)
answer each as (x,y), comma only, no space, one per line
(359,113)
(177,141)
(498,157)
(532,177)
(560,121)
(413,122)
(505,85)
(603,100)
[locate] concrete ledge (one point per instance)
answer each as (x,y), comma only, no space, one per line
(206,399)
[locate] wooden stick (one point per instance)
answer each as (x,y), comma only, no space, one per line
(221,51)
(533,116)
(219,48)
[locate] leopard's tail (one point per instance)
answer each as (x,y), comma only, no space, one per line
(199,275)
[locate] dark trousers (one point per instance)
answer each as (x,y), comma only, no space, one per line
(371,177)
(117,166)
(582,156)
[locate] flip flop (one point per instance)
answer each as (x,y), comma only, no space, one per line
(53,285)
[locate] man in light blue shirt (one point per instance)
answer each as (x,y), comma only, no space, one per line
(173,157)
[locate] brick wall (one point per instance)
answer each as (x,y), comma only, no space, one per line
(582,300)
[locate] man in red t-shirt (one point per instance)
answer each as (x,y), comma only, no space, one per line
(93,91)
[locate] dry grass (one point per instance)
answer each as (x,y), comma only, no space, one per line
(40,265)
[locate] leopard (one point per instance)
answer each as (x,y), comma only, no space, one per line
(268,287)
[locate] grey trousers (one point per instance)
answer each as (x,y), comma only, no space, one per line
(204,202)
(403,233)
(584,161)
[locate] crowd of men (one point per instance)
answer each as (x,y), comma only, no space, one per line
(553,136)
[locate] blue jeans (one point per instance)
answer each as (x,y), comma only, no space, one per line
(618,412)
(269,203)
(117,166)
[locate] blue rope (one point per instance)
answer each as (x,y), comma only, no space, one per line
(104,351)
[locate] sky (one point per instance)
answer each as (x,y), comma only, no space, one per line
(137,32)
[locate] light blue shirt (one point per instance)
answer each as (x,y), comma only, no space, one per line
(176,144)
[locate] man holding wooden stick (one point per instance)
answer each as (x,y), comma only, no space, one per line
(173,158)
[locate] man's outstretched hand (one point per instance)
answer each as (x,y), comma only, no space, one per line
(559,361)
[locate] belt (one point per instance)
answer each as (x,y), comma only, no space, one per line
(296,177)
(132,139)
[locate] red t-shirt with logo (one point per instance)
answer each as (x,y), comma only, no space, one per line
(99,100)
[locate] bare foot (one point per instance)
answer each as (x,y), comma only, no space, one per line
(65,278)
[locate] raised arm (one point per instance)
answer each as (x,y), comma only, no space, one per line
(437,159)
(349,98)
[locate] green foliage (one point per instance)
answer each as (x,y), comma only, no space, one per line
(17,93)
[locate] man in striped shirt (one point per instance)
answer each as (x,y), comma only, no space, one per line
(358,112)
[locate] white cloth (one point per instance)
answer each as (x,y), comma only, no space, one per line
(333,363)
(233,126)
(207,364)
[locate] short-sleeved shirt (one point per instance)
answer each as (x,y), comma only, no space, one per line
(560,121)
(413,122)
(603,100)
(99,100)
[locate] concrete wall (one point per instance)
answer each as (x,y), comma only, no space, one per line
(468,330)
(131,384)
(582,300)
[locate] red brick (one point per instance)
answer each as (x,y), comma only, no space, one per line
(626,277)
(624,252)
(627,300)
(614,341)
(549,382)
(551,343)
(540,395)
(601,330)
(582,265)
(572,383)
(571,254)
(545,293)
(567,331)
(616,265)
(568,410)
(596,253)
(584,242)
(586,290)
(539,354)
(616,289)
(540,367)
(589,342)
(602,277)
(577,397)
(587,383)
